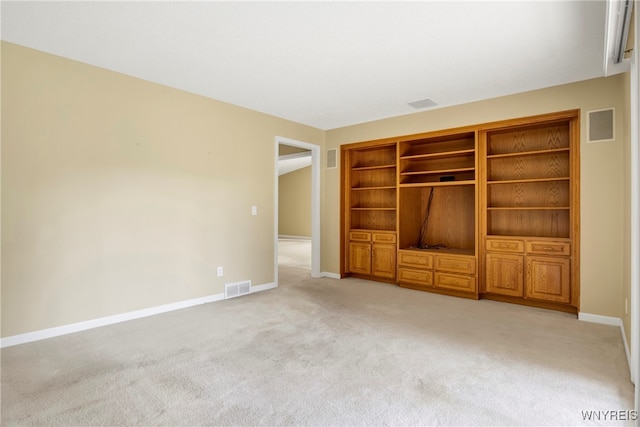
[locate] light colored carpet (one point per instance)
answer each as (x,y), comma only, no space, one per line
(294,253)
(324,352)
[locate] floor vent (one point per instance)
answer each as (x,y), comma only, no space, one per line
(232,290)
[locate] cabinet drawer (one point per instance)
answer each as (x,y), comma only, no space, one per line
(384,238)
(504,245)
(419,277)
(549,248)
(456,264)
(360,236)
(415,259)
(455,282)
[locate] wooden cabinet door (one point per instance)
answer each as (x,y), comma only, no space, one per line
(548,279)
(505,274)
(360,258)
(383,261)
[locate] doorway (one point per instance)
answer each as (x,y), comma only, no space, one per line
(312,153)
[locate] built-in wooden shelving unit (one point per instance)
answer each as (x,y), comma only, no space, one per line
(486,211)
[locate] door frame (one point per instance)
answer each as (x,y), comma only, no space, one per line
(315,202)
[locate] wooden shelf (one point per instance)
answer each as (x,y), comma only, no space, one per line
(444,154)
(524,181)
(438,184)
(444,251)
(435,172)
(529,208)
(522,237)
(373,209)
(527,153)
(387,187)
(366,168)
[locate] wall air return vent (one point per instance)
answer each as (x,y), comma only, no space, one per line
(232,290)
(332,158)
(601,125)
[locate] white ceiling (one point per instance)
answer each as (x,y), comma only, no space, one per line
(325,64)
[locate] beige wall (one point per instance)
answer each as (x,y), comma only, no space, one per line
(294,207)
(602,176)
(120,194)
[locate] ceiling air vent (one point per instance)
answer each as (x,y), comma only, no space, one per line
(423,103)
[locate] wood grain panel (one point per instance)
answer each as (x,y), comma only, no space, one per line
(455,264)
(382,198)
(383,237)
(504,245)
(384,177)
(548,279)
(418,277)
(360,236)
(505,274)
(548,248)
(371,157)
(441,144)
(534,138)
(373,220)
(455,282)
(542,223)
(530,194)
(383,261)
(544,165)
(452,218)
(360,258)
(415,258)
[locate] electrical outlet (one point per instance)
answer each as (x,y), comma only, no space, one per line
(254,210)
(219,271)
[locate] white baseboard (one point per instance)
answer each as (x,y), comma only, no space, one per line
(613,321)
(265,287)
(626,348)
(118,318)
(330,275)
(284,236)
(596,318)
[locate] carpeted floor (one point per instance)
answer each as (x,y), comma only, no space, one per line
(324,352)
(294,253)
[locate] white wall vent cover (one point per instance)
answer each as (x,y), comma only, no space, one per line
(232,290)
(600,125)
(332,158)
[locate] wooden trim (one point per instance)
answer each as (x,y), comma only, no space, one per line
(574,139)
(372,279)
(344,202)
(530,120)
(468,295)
(530,303)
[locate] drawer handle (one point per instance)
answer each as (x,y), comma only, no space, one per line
(547,248)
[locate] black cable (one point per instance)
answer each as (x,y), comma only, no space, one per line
(425,225)
(425,222)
